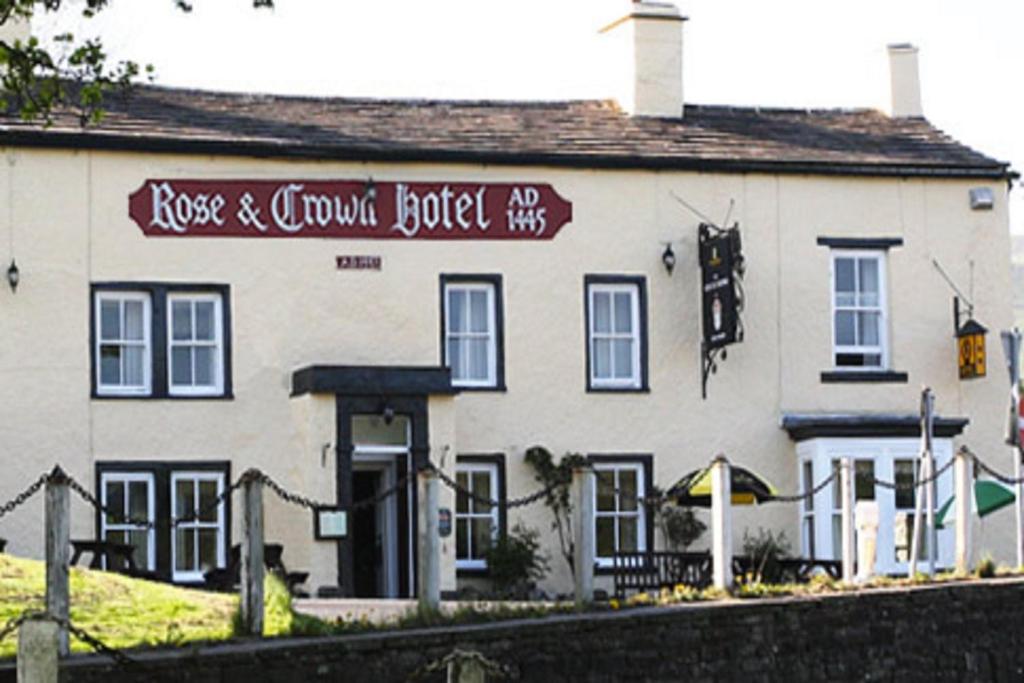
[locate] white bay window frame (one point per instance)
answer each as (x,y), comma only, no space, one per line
(883,452)
(858,308)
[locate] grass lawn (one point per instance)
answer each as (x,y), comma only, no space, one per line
(124,612)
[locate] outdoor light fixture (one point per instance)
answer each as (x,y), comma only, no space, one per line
(387,413)
(668,257)
(370,191)
(13,276)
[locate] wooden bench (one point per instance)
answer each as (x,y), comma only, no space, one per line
(228,578)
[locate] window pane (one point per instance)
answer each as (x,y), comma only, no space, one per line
(455,359)
(115,502)
(110,320)
(602,312)
(140,540)
(133,322)
(845,328)
(623,358)
(134,366)
(868,281)
(837,537)
(478,318)
(809,536)
(456,310)
(372,430)
(110,365)
(481,536)
(868,325)
(605,536)
(605,491)
(903,475)
(627,490)
(138,500)
(181,365)
(462,539)
(184,498)
(461,499)
(207,497)
(207,549)
(808,485)
(181,320)
(477,359)
(482,488)
(204,360)
(864,480)
(184,549)
(628,534)
(623,313)
(844,276)
(837,491)
(602,358)
(204,320)
(871,360)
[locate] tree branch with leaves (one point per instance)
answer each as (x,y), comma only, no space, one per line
(76,74)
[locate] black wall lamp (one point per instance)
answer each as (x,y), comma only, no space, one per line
(13,276)
(370,191)
(668,257)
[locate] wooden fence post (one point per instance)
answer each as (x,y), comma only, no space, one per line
(38,651)
(583,542)
(721,523)
(429,572)
(846,491)
(58,552)
(251,575)
(962,481)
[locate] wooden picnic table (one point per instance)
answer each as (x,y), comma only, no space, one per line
(116,554)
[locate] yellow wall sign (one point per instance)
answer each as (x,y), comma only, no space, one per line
(971,344)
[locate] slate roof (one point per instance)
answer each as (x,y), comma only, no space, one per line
(591,133)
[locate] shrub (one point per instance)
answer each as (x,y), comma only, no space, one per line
(516,562)
(765,550)
(986,568)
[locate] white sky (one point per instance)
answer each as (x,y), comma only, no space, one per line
(799,53)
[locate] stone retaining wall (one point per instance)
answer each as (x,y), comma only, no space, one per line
(954,632)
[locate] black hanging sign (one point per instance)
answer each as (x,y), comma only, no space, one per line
(721,266)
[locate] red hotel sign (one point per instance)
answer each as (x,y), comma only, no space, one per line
(345,208)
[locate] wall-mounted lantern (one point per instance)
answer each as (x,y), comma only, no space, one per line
(13,276)
(970,340)
(668,257)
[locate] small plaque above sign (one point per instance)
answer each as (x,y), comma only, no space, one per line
(330,524)
(444,522)
(353,209)
(359,262)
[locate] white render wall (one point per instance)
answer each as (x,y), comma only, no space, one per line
(65,213)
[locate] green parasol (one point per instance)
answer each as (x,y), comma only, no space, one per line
(989,496)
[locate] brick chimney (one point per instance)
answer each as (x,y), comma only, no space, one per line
(905,82)
(650,44)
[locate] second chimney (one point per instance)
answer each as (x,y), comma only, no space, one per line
(652,38)
(905,82)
